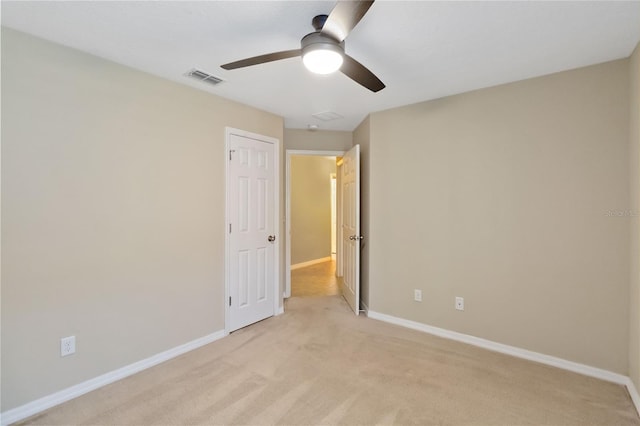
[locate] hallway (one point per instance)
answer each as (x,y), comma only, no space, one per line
(315,280)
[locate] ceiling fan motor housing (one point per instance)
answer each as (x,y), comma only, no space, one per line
(317,40)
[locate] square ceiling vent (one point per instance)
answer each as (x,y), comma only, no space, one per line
(204,77)
(327,116)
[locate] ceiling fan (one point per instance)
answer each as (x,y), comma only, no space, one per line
(322,51)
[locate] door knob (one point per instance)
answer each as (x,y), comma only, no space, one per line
(352,237)
(271,238)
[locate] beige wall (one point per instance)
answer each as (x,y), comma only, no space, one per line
(634,173)
(311,207)
(361,137)
(501,196)
(113,214)
(320,140)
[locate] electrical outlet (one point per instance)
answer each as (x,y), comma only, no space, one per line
(67,345)
(417,295)
(460,303)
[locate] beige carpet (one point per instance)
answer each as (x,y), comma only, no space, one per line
(320,364)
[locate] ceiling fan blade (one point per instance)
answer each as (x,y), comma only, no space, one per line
(360,74)
(344,17)
(269,57)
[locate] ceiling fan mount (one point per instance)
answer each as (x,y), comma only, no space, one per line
(323,50)
(318,21)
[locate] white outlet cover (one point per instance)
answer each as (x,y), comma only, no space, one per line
(67,345)
(460,303)
(417,295)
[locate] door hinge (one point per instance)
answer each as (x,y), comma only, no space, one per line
(231,151)
(229,228)
(229,300)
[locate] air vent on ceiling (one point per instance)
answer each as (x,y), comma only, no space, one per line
(204,77)
(327,116)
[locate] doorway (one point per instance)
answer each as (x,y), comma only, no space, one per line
(308,258)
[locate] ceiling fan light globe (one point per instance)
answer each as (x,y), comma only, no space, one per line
(322,61)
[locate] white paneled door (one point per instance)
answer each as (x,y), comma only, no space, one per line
(251,195)
(350,181)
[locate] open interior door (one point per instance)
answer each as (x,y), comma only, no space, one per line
(350,181)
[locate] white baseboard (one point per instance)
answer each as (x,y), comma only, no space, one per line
(506,349)
(309,263)
(633,392)
(34,407)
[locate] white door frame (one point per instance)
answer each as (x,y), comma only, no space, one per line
(289,154)
(277,299)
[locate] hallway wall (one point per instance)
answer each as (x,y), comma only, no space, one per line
(319,140)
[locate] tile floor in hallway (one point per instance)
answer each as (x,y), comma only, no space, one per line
(315,280)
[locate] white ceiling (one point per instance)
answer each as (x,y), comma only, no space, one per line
(420,49)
